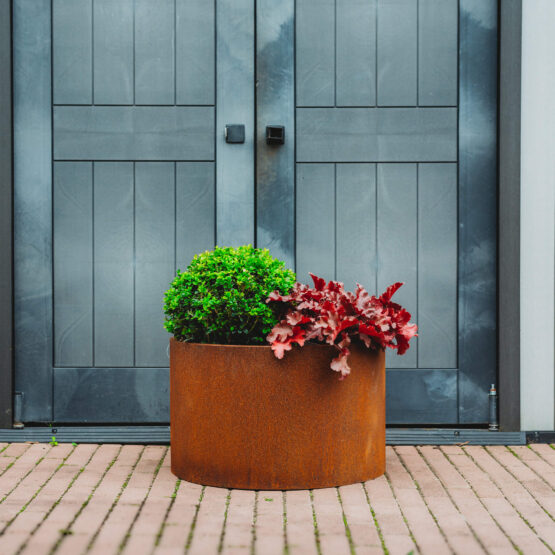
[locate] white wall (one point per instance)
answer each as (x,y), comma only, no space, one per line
(537,215)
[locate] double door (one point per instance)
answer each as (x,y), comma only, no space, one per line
(123,172)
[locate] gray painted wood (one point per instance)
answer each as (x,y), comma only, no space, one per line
(195,209)
(235,99)
(113,264)
(315,47)
(356,53)
(108,395)
(510,44)
(437,265)
(72,51)
(154,52)
(397,244)
(275,95)
(195,52)
(315,221)
(154,258)
(33,208)
(377,135)
(437,52)
(73,264)
(423,396)
(6,218)
(133,133)
(114,73)
(356,225)
(397,52)
(477,307)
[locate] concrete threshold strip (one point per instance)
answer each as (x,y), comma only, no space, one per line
(160,435)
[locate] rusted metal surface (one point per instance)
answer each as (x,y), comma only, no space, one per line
(240,418)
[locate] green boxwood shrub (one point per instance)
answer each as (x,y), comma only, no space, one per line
(221,297)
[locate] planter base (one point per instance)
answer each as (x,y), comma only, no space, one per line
(242,419)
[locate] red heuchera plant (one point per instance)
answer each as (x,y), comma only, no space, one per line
(327,313)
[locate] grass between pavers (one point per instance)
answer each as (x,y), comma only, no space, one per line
(194,521)
(315,522)
(376,524)
(346,524)
(222,535)
(253,526)
(286,549)
(170,505)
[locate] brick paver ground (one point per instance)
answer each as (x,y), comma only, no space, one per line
(111,499)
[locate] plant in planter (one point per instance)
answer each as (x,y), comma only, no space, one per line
(244,418)
(327,313)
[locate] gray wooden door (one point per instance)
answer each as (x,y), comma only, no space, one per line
(122,173)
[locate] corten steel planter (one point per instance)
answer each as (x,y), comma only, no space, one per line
(240,418)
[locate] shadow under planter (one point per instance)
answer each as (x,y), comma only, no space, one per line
(240,418)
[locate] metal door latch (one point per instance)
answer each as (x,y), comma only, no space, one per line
(275,134)
(234,133)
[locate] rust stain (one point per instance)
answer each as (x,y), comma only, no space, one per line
(240,418)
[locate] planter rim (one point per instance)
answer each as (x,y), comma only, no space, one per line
(234,346)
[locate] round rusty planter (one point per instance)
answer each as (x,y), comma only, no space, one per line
(240,418)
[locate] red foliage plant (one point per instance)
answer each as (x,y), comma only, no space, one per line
(327,313)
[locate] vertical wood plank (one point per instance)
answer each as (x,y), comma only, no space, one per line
(113,264)
(113,52)
(154,52)
(437,52)
(275,98)
(397,243)
(235,100)
(72,51)
(478,200)
(315,221)
(315,52)
(195,210)
(397,48)
(356,225)
(195,52)
(437,265)
(6,218)
(356,53)
(73,264)
(32,75)
(154,258)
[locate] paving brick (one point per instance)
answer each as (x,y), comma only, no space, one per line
(65,511)
(545,451)
(270,538)
(514,491)
(178,522)
(542,468)
(147,526)
(26,462)
(364,533)
(300,523)
(498,506)
(96,510)
(475,514)
(210,521)
(390,520)
(239,522)
(420,522)
(114,531)
(329,519)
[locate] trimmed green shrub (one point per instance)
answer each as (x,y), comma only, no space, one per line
(221,297)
